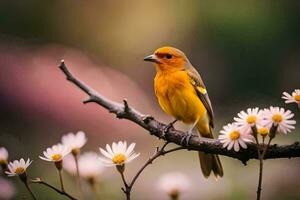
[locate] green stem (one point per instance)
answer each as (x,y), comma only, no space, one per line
(61,181)
(39,181)
(127,189)
(78,176)
(261,156)
(30,191)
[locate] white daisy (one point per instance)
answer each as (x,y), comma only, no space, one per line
(246,120)
(279,117)
(119,154)
(3,155)
(74,141)
(18,167)
(174,184)
(232,136)
(294,98)
(56,153)
(89,166)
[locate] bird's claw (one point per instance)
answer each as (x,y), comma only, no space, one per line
(186,139)
(166,128)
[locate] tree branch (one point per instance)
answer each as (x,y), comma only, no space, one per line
(159,152)
(156,128)
(62,192)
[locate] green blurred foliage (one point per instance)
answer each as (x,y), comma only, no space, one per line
(252,40)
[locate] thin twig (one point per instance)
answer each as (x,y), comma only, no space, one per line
(159,152)
(259,187)
(266,148)
(39,181)
(259,152)
(126,190)
(29,190)
(209,146)
(261,155)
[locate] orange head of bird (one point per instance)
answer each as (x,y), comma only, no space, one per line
(168,59)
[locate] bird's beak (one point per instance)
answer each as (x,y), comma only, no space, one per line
(151,58)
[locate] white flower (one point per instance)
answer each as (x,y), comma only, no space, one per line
(3,155)
(294,98)
(279,117)
(119,154)
(232,136)
(89,165)
(56,153)
(18,167)
(173,183)
(74,142)
(246,120)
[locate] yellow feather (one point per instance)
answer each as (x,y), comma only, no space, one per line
(176,90)
(202,90)
(177,97)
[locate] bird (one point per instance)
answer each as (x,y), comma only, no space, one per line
(182,94)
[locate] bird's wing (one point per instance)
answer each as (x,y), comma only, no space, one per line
(199,86)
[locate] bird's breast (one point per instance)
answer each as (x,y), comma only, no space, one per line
(177,96)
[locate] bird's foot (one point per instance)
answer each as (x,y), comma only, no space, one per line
(185,139)
(166,128)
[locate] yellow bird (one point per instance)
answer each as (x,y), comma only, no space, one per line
(181,93)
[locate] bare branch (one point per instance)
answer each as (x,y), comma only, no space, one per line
(211,146)
(39,181)
(158,152)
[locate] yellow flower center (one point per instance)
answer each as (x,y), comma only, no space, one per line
(277,118)
(251,119)
(297,97)
(119,158)
(234,135)
(56,157)
(263,131)
(19,170)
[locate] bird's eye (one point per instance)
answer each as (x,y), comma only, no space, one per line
(168,56)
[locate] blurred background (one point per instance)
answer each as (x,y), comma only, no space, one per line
(247,52)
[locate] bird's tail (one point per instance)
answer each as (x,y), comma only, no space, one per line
(209,162)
